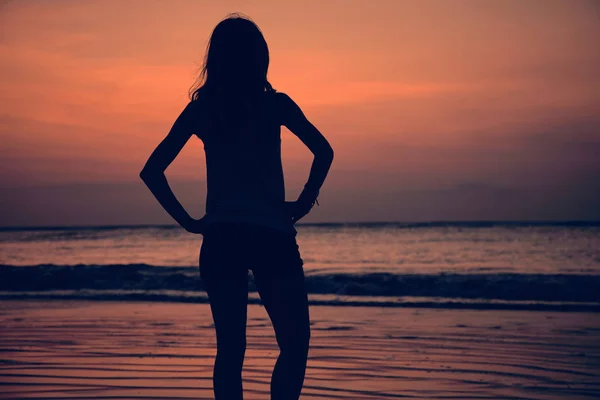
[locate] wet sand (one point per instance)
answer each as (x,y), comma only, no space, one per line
(143,350)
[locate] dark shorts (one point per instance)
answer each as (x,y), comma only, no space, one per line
(229,250)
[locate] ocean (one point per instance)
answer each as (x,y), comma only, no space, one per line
(462,264)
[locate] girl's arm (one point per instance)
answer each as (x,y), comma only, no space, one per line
(153,173)
(295,120)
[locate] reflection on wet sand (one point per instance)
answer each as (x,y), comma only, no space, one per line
(136,350)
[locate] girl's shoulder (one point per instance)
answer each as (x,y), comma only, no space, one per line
(280,101)
(199,97)
(279,97)
(279,104)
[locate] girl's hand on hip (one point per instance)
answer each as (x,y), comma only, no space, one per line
(196,226)
(297,210)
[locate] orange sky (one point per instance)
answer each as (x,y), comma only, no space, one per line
(433,107)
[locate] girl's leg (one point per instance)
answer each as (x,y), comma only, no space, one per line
(228,303)
(225,279)
(286,302)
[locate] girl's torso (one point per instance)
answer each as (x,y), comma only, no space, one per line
(242,144)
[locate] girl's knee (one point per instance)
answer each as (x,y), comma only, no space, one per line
(231,350)
(296,341)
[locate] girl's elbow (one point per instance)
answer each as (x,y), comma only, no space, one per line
(324,156)
(147,174)
(144,175)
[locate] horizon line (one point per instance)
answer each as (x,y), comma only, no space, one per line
(399,224)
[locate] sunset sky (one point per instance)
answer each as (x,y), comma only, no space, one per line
(436,110)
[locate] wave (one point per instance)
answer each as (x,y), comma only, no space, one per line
(161,283)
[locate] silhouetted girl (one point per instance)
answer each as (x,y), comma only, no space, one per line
(248,224)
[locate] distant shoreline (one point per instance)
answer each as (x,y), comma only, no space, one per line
(372,224)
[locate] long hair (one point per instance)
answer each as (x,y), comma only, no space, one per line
(236,60)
